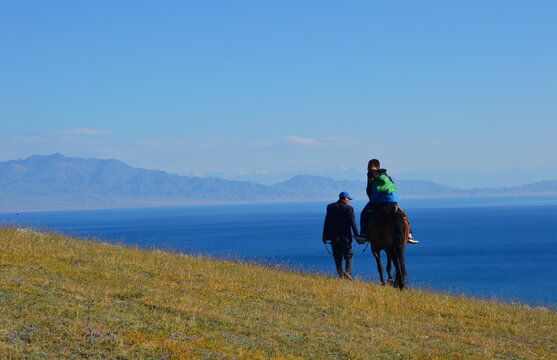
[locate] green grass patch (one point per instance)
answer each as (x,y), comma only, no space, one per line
(64,298)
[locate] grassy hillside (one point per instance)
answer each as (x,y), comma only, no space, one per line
(64,298)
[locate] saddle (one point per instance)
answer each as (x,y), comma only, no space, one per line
(398,210)
(392,211)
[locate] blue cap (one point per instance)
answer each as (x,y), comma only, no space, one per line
(344,194)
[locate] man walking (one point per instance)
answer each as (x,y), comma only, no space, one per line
(339,227)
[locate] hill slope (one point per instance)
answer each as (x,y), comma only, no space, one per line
(71,299)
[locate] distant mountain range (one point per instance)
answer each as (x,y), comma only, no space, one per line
(481,179)
(460,179)
(55,182)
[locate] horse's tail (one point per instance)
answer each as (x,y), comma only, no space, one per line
(401,232)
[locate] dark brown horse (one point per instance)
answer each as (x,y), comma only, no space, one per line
(388,230)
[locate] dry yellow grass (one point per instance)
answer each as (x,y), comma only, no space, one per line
(64,298)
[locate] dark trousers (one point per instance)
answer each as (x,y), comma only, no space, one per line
(365,216)
(343,250)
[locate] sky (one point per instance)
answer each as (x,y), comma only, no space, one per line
(236,88)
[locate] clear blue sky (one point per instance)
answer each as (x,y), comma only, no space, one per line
(281,86)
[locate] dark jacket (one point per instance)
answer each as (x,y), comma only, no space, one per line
(339,221)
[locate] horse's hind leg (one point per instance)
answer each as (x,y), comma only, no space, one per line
(390,268)
(398,253)
(379,266)
(399,282)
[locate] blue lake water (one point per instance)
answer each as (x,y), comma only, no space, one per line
(489,247)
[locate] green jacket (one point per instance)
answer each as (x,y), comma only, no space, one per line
(382,189)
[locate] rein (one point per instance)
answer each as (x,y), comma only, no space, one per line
(361,243)
(367,244)
(330,253)
(326,247)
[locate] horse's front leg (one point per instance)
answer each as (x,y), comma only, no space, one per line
(379,265)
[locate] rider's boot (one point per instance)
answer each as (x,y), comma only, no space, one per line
(411,239)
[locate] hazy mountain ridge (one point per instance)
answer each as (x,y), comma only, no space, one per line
(39,175)
(58,182)
(482,179)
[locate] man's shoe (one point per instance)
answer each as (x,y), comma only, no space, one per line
(360,239)
(411,239)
